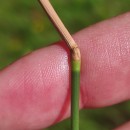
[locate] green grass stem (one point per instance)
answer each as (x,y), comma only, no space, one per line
(76,58)
(75,95)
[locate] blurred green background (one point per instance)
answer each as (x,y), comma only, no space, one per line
(24,27)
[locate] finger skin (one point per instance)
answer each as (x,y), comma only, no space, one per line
(125,126)
(105,50)
(35,90)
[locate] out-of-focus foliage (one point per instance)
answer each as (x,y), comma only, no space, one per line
(24,27)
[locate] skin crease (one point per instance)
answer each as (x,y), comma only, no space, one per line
(35,90)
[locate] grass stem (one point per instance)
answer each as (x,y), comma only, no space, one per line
(75,61)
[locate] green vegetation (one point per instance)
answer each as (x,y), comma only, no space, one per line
(75,87)
(24,27)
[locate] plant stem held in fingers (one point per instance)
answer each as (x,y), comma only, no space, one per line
(75,61)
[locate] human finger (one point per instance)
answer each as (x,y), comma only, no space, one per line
(35,90)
